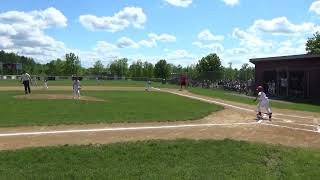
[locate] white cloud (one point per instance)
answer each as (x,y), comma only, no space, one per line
(162,37)
(217,47)
(23,33)
(128,16)
(231,2)
(103,46)
(282,26)
(315,7)
(47,18)
(148,43)
(5,42)
(290,47)
(182,57)
(7,30)
(206,35)
(248,39)
(50,17)
(180,3)
(126,42)
(237,51)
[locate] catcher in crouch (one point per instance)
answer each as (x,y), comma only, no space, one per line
(263,101)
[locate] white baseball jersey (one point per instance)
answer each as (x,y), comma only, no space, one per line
(76,84)
(25,77)
(262,96)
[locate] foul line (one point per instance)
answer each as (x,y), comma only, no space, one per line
(287,127)
(122,129)
(285,121)
(294,116)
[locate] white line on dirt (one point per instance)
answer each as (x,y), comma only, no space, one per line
(292,128)
(294,116)
(122,129)
(290,122)
(156,88)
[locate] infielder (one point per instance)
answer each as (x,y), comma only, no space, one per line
(148,85)
(45,83)
(76,87)
(263,101)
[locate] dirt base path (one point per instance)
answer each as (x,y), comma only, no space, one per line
(236,121)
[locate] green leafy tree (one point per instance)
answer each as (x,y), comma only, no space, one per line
(176,69)
(28,64)
(119,67)
(148,69)
(136,69)
(162,69)
(246,72)
(98,68)
(56,67)
(73,65)
(209,67)
(313,44)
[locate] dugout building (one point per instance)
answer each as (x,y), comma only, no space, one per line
(289,76)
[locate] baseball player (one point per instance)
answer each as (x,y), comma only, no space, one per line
(76,87)
(183,81)
(148,85)
(263,101)
(26,79)
(45,84)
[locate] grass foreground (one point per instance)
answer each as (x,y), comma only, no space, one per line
(226,95)
(120,107)
(156,159)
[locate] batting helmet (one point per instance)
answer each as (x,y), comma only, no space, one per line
(259,88)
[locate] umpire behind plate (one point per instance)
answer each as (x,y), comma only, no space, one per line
(26,79)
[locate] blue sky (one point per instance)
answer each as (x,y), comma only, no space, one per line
(180,31)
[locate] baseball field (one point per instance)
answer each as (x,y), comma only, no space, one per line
(117,130)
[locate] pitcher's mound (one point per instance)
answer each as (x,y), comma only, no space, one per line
(57,96)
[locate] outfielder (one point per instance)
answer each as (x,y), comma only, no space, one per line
(263,101)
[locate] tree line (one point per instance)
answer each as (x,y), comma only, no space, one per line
(208,68)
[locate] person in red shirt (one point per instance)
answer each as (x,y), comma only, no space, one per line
(183,81)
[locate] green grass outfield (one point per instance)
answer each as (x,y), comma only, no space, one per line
(120,106)
(179,159)
(225,95)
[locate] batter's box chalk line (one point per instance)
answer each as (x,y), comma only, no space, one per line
(122,129)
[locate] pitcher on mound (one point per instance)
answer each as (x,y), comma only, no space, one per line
(263,101)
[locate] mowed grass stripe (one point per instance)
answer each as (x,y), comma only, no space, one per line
(179,159)
(120,107)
